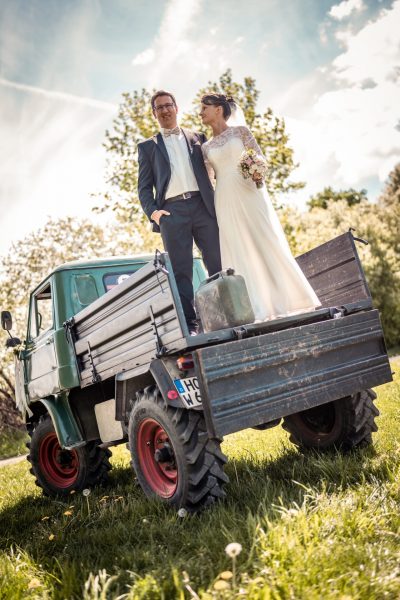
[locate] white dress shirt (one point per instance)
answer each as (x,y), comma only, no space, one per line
(182,174)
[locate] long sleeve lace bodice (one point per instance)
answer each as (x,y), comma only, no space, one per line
(241,132)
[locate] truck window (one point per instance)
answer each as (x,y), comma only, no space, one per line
(41,312)
(85,290)
(110,280)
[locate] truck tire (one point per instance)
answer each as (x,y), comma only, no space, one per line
(343,424)
(172,455)
(58,471)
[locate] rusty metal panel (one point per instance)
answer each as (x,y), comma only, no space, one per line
(115,333)
(335,272)
(255,380)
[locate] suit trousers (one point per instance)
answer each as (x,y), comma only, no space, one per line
(190,221)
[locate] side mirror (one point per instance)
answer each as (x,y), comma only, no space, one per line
(6,320)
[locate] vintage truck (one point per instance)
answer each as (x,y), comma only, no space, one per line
(108,359)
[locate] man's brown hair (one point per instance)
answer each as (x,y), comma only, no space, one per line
(161,93)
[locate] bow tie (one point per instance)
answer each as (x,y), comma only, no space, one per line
(174,131)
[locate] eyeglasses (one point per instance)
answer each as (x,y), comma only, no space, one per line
(169,105)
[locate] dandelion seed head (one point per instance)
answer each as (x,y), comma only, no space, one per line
(182,512)
(86,492)
(233,549)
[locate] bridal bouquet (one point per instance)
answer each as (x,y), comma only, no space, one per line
(253,166)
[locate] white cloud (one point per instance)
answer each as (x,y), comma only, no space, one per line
(185,57)
(344,9)
(348,134)
(374,52)
(144,58)
(171,41)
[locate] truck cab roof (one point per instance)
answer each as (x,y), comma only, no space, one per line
(109,261)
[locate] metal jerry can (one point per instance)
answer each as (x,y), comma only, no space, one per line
(223,301)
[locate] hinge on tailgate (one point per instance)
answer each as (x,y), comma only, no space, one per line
(68,325)
(161,350)
(240,332)
(159,266)
(95,376)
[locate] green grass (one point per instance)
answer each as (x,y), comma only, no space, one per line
(311,527)
(12,442)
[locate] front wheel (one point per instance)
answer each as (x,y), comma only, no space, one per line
(59,471)
(172,455)
(343,424)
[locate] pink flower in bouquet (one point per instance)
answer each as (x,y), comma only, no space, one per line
(253,166)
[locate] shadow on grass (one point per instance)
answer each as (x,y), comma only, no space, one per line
(116,528)
(255,485)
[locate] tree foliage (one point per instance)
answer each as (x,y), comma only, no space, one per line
(135,123)
(325,198)
(379,224)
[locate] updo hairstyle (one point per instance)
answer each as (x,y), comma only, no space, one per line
(219,100)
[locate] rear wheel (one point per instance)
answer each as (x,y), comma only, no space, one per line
(57,470)
(344,424)
(172,455)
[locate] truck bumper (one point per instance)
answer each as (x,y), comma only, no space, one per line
(256,380)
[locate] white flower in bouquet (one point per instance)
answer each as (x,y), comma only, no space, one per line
(253,166)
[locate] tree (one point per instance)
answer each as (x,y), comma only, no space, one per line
(325,198)
(135,122)
(376,223)
(390,196)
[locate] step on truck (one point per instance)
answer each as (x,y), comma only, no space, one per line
(108,359)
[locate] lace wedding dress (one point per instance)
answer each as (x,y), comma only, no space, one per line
(251,237)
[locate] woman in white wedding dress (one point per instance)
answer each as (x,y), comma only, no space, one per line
(251,237)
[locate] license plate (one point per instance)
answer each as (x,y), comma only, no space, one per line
(189,391)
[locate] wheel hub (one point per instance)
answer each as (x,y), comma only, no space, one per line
(156,457)
(60,466)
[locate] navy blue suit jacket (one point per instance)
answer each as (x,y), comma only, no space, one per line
(155,172)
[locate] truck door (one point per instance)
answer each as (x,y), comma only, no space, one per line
(40,355)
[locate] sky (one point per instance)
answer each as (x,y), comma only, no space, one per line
(330,68)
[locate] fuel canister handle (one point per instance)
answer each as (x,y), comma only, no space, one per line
(223,273)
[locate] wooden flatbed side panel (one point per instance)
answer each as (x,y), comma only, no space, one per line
(116,333)
(335,272)
(255,380)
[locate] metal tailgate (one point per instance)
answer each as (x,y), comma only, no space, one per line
(256,380)
(125,328)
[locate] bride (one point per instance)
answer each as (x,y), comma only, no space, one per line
(251,237)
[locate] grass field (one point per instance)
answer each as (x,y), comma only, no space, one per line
(12,442)
(311,527)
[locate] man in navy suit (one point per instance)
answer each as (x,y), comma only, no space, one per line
(177,196)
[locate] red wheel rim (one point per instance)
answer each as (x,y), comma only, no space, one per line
(60,466)
(162,475)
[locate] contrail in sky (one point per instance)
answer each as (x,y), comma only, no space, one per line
(64,97)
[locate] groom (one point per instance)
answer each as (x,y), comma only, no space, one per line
(177,196)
